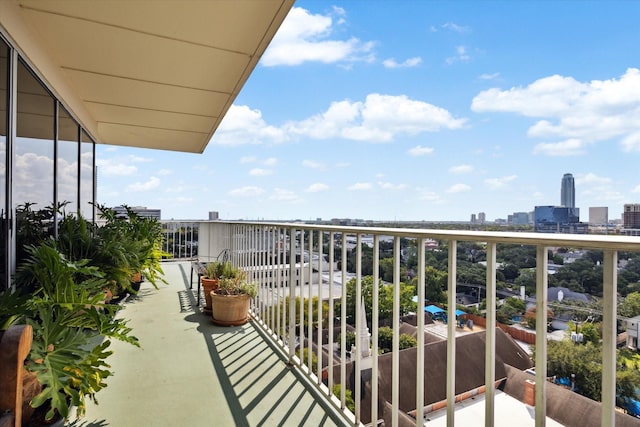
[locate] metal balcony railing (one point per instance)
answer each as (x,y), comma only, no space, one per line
(293,263)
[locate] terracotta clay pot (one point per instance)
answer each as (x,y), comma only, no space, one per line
(230,310)
(208,285)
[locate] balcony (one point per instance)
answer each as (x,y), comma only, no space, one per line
(272,369)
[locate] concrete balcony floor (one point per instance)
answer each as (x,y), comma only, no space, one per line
(190,372)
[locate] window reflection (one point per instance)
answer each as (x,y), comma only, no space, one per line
(4,245)
(33,168)
(87,177)
(67,162)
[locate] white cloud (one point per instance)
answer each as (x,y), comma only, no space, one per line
(247,159)
(380,118)
(305,37)
(260,172)
(408,63)
(271,161)
(359,186)
(390,186)
(248,191)
(242,125)
(151,184)
(458,188)
(420,151)
(114,167)
(429,196)
(631,142)
(577,113)
(456,28)
(283,195)
(461,169)
(311,164)
(165,172)
(343,164)
(570,147)
(592,179)
(317,187)
(636,189)
(491,76)
(461,56)
(497,183)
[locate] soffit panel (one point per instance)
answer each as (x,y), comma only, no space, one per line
(98,88)
(153,119)
(113,51)
(163,139)
(171,57)
(236,25)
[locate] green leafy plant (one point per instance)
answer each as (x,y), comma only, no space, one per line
(237,285)
(68,315)
(219,269)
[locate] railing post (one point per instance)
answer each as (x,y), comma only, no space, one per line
(395,360)
(490,349)
(374,328)
(451,335)
(343,324)
(331,314)
(420,338)
(358,321)
(609,332)
(542,264)
(319,325)
(292,295)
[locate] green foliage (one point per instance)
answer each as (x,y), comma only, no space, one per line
(236,285)
(435,283)
(385,299)
(350,338)
(630,307)
(68,313)
(305,357)
(407,341)
(385,339)
(220,269)
(348,397)
(585,361)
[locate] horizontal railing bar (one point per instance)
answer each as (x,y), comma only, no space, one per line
(587,241)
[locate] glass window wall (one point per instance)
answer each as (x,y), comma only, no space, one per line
(67,167)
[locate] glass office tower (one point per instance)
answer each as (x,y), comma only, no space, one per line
(568,191)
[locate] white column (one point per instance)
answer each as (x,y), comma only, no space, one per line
(609,291)
(541,335)
(490,349)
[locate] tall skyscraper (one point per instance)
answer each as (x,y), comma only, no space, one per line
(568,191)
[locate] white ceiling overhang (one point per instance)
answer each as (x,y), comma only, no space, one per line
(145,73)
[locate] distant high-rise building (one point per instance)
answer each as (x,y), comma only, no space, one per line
(142,211)
(568,191)
(558,219)
(473,219)
(482,217)
(599,215)
(213,215)
(631,215)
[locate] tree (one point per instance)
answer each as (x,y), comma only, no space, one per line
(385,339)
(407,341)
(435,282)
(630,307)
(510,271)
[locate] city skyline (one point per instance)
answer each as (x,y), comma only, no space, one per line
(413,111)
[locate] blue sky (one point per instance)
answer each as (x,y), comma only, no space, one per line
(414,110)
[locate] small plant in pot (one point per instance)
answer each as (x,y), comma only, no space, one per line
(232,299)
(214,272)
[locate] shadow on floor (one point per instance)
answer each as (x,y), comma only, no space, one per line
(259,388)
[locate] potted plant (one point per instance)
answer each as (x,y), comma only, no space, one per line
(72,329)
(214,271)
(231,300)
